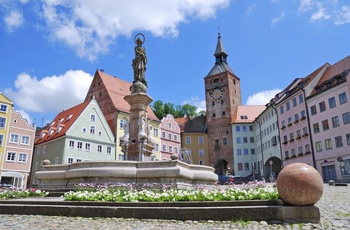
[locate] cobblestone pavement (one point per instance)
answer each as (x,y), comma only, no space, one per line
(334,206)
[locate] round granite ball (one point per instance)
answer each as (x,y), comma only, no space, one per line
(299,184)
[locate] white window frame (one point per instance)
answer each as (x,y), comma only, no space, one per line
(92,117)
(70,160)
(14,140)
(13,156)
(109,150)
(87,147)
(92,129)
(22,158)
(99,148)
(81,145)
(25,140)
(1,108)
(71,144)
(2,122)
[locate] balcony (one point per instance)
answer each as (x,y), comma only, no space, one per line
(291,140)
(290,124)
(298,137)
(302,118)
(283,127)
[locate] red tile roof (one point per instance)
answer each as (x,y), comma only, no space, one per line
(61,124)
(247,113)
(117,90)
(182,122)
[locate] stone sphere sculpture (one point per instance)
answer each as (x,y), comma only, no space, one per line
(299,184)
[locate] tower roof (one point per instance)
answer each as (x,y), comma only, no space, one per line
(220,59)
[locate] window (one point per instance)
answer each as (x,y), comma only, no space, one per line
(287,106)
(92,129)
(331,102)
(155,132)
(293,152)
(87,147)
(201,152)
(201,162)
(316,128)
(22,157)
(200,140)
(44,149)
(25,140)
(342,98)
(79,160)
(224,141)
(170,149)
(163,134)
(251,139)
(281,109)
(307,148)
(80,145)
(70,160)
(300,150)
(239,152)
(245,139)
(335,121)
(246,166)
(294,101)
(348,139)
(175,137)
(175,149)
(121,123)
(291,136)
(3,108)
(169,136)
(156,147)
(305,131)
(84,130)
(1,139)
(109,150)
(283,123)
(38,151)
(99,148)
(238,140)
(285,139)
(92,117)
(163,148)
(169,125)
(328,144)
(318,146)
(325,125)
(313,110)
(346,118)
(286,154)
(11,156)
(71,144)
(322,106)
(298,133)
(302,113)
(14,138)
(245,151)
(2,122)
(240,167)
(188,140)
(238,128)
(244,128)
(301,98)
(289,120)
(251,128)
(252,151)
(338,141)
(296,117)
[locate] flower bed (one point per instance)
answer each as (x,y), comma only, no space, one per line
(163,193)
(13,193)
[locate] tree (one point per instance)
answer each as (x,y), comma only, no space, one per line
(161,109)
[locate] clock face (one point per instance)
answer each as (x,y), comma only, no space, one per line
(216,94)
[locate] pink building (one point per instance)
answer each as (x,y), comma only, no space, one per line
(170,137)
(329,110)
(18,151)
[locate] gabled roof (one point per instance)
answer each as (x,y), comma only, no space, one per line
(247,113)
(196,124)
(61,124)
(339,69)
(117,90)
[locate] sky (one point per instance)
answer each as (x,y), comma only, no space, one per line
(51,49)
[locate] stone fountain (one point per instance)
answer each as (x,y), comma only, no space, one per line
(137,146)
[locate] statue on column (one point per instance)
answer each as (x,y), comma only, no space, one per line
(139,65)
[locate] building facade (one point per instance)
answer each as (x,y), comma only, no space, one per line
(223,95)
(19,145)
(6,106)
(170,137)
(78,134)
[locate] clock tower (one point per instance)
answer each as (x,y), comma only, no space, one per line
(223,95)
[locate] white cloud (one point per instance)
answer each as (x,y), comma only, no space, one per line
(343,16)
(13,20)
(49,95)
(306,5)
(262,98)
(195,101)
(278,19)
(90,26)
(251,9)
(320,14)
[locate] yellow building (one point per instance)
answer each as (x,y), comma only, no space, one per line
(5,113)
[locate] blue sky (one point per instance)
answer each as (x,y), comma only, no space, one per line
(52,48)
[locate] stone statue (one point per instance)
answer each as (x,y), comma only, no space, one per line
(139,66)
(149,134)
(142,123)
(125,138)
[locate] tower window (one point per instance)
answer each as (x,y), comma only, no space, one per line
(223,112)
(212,103)
(234,81)
(222,101)
(214,115)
